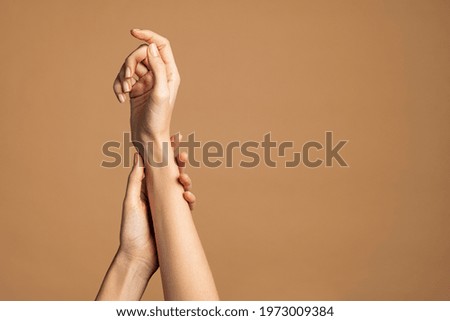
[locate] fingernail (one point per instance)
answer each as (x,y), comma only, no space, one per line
(135,159)
(153,50)
(121,98)
(128,72)
(126,86)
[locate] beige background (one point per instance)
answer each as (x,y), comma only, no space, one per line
(374,72)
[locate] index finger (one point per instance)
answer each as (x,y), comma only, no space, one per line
(163,47)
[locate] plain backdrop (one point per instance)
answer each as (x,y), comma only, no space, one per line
(376,73)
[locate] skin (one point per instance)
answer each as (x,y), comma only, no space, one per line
(136,259)
(149,76)
(185,272)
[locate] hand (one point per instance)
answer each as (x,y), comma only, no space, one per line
(137,241)
(150,76)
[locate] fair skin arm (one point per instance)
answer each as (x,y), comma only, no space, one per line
(136,259)
(185,271)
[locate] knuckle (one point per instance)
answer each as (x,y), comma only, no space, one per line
(165,41)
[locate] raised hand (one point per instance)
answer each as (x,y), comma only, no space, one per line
(150,76)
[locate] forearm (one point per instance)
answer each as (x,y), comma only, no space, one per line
(184,268)
(125,280)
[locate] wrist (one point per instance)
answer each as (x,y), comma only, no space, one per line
(157,151)
(147,141)
(144,137)
(143,268)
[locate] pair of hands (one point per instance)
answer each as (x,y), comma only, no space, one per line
(151,79)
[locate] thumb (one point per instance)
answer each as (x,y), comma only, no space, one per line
(158,68)
(135,178)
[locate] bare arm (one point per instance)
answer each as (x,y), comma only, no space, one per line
(184,268)
(136,259)
(125,280)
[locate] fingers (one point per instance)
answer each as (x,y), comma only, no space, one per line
(175,140)
(128,69)
(132,62)
(190,198)
(163,45)
(156,56)
(184,178)
(134,185)
(158,68)
(141,70)
(142,85)
(133,66)
(164,48)
(182,159)
(186,181)
(117,87)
